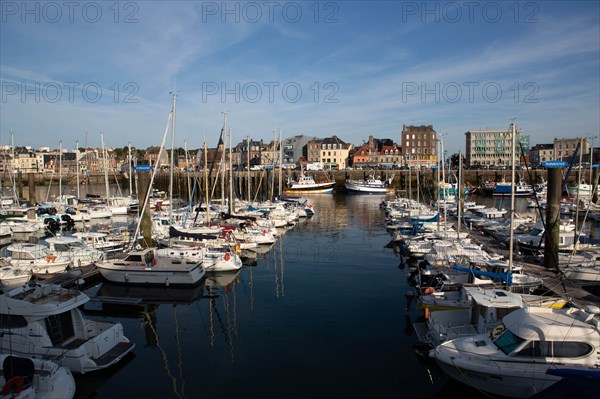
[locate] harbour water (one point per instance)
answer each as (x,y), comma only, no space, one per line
(323,314)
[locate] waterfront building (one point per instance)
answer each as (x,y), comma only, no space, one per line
(313,151)
(334,153)
(419,145)
(489,147)
(295,148)
(565,148)
(541,153)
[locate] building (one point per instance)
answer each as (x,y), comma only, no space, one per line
(490,147)
(541,153)
(419,145)
(295,148)
(386,156)
(334,153)
(248,152)
(564,149)
(313,151)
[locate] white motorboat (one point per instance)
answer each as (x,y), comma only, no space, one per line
(469,311)
(28,378)
(74,248)
(370,185)
(12,276)
(99,241)
(45,321)
(37,258)
(514,359)
(155,267)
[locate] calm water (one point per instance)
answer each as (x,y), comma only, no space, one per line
(322,315)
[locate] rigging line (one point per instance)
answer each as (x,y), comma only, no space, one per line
(226,299)
(177,342)
(162,351)
(222,325)
(212,324)
(149,190)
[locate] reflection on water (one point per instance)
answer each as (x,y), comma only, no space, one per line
(324,314)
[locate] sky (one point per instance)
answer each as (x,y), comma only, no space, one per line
(104,71)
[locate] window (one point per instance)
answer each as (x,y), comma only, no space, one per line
(507,341)
(571,349)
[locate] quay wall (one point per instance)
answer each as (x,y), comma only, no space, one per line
(265,184)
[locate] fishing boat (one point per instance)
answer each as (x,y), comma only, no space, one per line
(44,321)
(370,185)
(153,266)
(308,184)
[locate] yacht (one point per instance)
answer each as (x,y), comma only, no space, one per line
(153,266)
(516,359)
(44,321)
(29,378)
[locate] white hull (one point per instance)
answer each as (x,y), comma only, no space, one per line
(590,274)
(520,384)
(154,275)
(81,344)
(50,381)
(367,189)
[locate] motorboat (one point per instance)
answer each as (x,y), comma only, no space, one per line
(44,321)
(514,360)
(155,267)
(470,310)
(370,185)
(308,184)
(100,241)
(74,248)
(37,258)
(29,378)
(12,276)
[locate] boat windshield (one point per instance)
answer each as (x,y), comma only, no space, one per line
(506,341)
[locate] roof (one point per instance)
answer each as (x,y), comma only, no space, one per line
(549,324)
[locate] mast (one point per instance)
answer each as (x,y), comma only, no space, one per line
(206,186)
(223,162)
(459,193)
(512,200)
(274,163)
(60,170)
(248,150)
(280,162)
(438,183)
(172,160)
(418,182)
(77,166)
(130,172)
(187,172)
(105,168)
(13,177)
(579,180)
(444,185)
(231,206)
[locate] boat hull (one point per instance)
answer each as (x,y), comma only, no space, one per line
(116,273)
(316,190)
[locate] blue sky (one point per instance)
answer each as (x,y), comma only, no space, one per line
(349,68)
